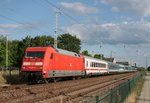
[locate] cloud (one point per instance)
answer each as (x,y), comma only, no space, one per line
(2,32)
(138,7)
(32,25)
(20,26)
(5,28)
(111,33)
(10,28)
(147,55)
(78,8)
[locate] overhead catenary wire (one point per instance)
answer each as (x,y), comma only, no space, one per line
(8,18)
(54,6)
(16,21)
(67,15)
(62,12)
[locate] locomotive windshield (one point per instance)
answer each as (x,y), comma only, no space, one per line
(37,54)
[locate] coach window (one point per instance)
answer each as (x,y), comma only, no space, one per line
(90,64)
(98,64)
(103,65)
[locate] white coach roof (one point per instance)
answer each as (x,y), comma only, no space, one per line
(65,52)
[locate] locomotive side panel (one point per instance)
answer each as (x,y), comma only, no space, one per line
(64,65)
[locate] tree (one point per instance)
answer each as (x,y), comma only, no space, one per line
(42,41)
(99,56)
(12,54)
(141,69)
(85,52)
(2,50)
(32,42)
(16,49)
(22,45)
(69,42)
(148,68)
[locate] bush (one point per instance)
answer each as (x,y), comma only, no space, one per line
(148,68)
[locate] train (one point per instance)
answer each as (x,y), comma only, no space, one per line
(49,64)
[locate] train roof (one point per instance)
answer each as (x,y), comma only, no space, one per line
(60,51)
(92,58)
(65,52)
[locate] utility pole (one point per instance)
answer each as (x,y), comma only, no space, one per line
(146,62)
(56,27)
(100,48)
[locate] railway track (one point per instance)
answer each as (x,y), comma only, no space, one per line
(62,91)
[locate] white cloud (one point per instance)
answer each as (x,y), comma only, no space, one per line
(110,33)
(124,18)
(147,55)
(138,7)
(32,25)
(78,8)
(2,32)
(5,28)
(8,26)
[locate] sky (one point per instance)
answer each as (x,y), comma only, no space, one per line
(117,28)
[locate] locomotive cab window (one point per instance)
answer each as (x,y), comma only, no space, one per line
(36,54)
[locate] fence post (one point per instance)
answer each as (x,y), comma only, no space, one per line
(111,95)
(97,99)
(129,86)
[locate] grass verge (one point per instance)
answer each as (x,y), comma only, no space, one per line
(135,92)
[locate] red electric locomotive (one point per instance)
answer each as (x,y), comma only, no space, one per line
(46,63)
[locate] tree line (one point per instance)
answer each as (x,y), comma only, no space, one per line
(16,48)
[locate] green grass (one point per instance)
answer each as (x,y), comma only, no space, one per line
(139,86)
(135,92)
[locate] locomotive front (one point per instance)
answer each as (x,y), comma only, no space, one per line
(33,63)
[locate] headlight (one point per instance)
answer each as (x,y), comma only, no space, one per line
(26,63)
(39,63)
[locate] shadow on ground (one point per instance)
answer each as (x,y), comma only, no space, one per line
(13,78)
